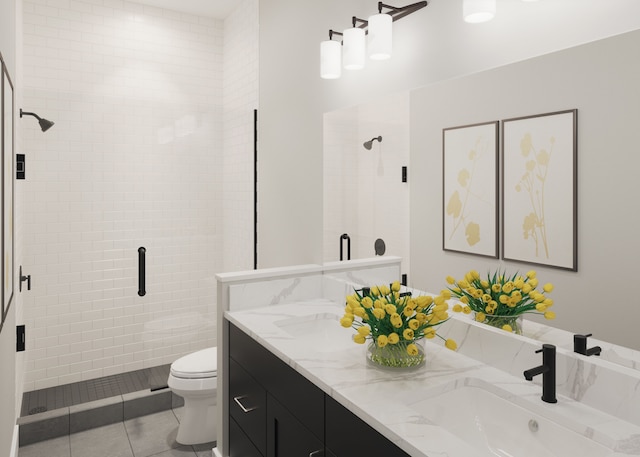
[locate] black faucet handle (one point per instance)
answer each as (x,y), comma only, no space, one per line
(538,351)
(580,345)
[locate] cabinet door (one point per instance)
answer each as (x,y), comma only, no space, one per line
(347,435)
(248,405)
(286,436)
(239,444)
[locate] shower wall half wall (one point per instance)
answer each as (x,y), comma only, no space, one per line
(135,159)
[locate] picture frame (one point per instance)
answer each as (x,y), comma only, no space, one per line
(470,189)
(539,187)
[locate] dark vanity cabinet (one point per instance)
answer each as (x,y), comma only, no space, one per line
(287,436)
(276,412)
(348,435)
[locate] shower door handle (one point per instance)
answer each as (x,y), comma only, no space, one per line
(141,271)
(345,236)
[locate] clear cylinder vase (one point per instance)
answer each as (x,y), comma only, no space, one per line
(396,356)
(508,323)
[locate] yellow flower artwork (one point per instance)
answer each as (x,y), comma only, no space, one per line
(533,184)
(539,184)
(469,155)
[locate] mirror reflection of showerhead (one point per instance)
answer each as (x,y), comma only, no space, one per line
(369,144)
(45,124)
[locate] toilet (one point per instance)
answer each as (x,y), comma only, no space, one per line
(194,378)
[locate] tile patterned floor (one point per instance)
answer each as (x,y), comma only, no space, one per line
(145,436)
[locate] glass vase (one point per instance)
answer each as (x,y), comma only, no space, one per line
(395,356)
(515,322)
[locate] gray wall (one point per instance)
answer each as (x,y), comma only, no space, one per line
(600,80)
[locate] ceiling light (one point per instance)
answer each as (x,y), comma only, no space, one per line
(476,11)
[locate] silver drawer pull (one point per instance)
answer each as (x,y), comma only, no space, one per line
(316,453)
(244,410)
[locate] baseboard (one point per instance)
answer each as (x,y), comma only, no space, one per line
(216,452)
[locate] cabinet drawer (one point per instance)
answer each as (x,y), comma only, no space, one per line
(248,405)
(239,444)
(341,443)
(296,393)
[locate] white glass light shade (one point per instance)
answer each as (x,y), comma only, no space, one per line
(380,36)
(354,48)
(330,59)
(475,11)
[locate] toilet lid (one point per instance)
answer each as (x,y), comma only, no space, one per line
(200,364)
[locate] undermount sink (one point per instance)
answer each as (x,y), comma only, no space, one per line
(495,426)
(323,331)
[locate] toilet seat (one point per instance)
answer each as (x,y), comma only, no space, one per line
(197,365)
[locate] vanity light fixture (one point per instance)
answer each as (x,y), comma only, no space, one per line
(379,43)
(476,11)
(355,45)
(331,57)
(354,41)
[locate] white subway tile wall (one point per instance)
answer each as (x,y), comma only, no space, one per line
(135,159)
(240,95)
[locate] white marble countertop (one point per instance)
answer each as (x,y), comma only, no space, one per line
(390,401)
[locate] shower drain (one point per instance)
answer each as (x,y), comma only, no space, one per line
(37,410)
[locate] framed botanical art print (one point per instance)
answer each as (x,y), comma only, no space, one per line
(539,160)
(470,189)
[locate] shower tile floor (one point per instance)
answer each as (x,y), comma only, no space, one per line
(51,398)
(144,436)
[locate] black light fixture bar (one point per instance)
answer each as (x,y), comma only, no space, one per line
(363,23)
(396,13)
(402,11)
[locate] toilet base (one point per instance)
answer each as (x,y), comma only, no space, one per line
(198,423)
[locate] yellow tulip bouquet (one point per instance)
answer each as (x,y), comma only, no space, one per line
(499,299)
(394,321)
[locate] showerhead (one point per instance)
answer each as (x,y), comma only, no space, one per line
(45,124)
(369,144)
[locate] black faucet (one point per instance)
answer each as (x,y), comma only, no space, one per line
(580,346)
(548,371)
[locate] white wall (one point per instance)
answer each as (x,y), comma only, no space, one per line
(134,159)
(601,81)
(431,45)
